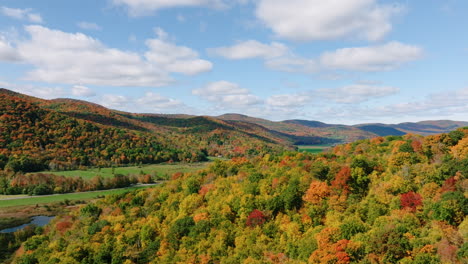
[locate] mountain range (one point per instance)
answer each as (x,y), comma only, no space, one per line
(288,132)
(31,125)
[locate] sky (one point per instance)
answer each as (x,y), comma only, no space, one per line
(335,61)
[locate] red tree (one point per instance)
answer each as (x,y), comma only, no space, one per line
(410,200)
(255,218)
(340,182)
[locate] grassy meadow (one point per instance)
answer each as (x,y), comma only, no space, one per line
(314,149)
(162,170)
(33,200)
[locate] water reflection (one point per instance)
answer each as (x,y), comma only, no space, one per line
(39,220)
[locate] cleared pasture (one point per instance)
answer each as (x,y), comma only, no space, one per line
(33,200)
(314,149)
(162,170)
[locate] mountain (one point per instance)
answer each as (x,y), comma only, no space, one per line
(381,129)
(303,132)
(430,127)
(307,123)
(420,128)
(385,200)
(37,134)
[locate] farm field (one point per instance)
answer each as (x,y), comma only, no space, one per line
(32,200)
(314,149)
(161,170)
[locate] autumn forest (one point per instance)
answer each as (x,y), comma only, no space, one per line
(367,198)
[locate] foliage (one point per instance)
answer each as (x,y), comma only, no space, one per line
(363,202)
(410,200)
(37,135)
(255,218)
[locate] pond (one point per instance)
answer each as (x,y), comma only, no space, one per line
(39,220)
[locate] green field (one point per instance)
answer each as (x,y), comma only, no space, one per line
(162,170)
(314,149)
(32,200)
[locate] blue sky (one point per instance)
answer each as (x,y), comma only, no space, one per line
(336,61)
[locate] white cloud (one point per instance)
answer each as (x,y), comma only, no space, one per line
(324,20)
(21,14)
(61,57)
(174,58)
(251,49)
(150,102)
(7,52)
(435,106)
(114,101)
(289,100)
(278,56)
(145,7)
(452,99)
(157,102)
(373,58)
(357,93)
(36,91)
(82,91)
(226,94)
(293,63)
(88,25)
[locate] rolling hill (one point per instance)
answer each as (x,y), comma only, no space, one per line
(37,134)
(354,205)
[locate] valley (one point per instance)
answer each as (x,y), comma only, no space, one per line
(151,188)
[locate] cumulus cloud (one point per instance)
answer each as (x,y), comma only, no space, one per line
(145,7)
(115,101)
(433,106)
(174,58)
(278,56)
(452,99)
(357,93)
(149,102)
(88,25)
(157,102)
(293,63)
(289,100)
(82,91)
(21,14)
(226,94)
(33,90)
(373,58)
(306,20)
(61,57)
(7,52)
(251,49)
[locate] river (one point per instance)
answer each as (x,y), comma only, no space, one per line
(39,220)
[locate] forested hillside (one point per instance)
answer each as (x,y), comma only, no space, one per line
(37,135)
(398,199)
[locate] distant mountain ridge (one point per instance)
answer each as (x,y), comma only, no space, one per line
(241,131)
(348,133)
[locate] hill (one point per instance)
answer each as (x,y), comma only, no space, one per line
(39,134)
(384,200)
(381,129)
(66,134)
(306,132)
(302,132)
(421,128)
